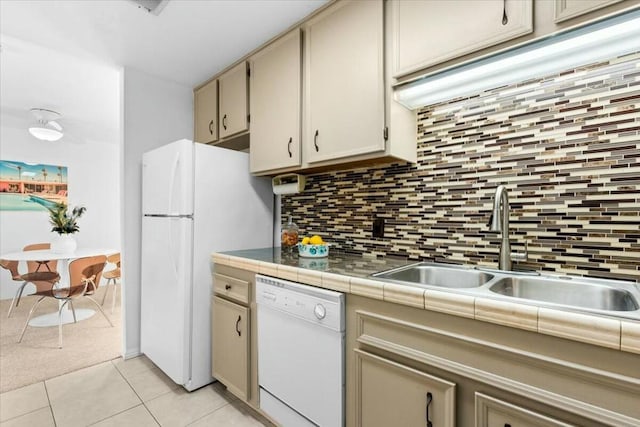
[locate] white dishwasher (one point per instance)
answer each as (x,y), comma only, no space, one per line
(300,353)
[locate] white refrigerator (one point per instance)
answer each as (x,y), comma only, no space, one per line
(196,199)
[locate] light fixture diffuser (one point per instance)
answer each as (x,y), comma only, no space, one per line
(605,40)
(46,129)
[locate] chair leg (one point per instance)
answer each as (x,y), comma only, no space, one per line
(29,318)
(60,322)
(100,308)
(16,298)
(106,290)
(73,311)
(115,291)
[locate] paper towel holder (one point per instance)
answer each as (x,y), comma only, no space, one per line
(290,183)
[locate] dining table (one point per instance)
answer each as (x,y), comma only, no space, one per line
(51,319)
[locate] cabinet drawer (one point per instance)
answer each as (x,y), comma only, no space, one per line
(231,288)
(388,394)
(492,412)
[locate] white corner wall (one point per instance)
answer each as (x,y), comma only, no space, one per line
(155,112)
(94,182)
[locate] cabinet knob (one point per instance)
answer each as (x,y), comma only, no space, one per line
(237,326)
(289,146)
(227,287)
(315,141)
(211,127)
(224,122)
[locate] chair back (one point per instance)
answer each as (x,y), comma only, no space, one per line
(114,259)
(12,266)
(32,266)
(87,268)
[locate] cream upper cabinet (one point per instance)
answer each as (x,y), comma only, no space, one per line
(426,33)
(206,113)
(344,82)
(275,87)
(567,9)
(234,100)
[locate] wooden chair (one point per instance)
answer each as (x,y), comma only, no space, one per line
(112,275)
(42,280)
(85,274)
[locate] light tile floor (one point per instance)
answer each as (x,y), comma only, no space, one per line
(122,393)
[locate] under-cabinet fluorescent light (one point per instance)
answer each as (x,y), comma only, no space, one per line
(604,40)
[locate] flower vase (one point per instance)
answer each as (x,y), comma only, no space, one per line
(63,244)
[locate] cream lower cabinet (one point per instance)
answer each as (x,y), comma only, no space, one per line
(275,87)
(403,362)
(391,394)
(231,338)
(491,412)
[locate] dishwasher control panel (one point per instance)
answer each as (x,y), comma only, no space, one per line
(315,305)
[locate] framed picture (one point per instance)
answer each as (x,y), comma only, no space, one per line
(31,186)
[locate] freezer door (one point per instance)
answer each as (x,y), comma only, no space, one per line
(166,294)
(167,179)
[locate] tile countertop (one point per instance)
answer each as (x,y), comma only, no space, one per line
(350,274)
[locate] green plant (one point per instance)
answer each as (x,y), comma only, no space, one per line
(62,221)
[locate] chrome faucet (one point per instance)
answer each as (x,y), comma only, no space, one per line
(499,222)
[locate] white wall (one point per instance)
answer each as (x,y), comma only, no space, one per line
(156,112)
(94,182)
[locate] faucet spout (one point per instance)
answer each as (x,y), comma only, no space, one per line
(500,215)
(500,223)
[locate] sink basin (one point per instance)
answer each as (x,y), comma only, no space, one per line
(436,275)
(566,292)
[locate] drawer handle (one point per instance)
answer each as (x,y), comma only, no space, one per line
(224,122)
(211,127)
(505,19)
(315,141)
(227,287)
(237,325)
(289,146)
(429,400)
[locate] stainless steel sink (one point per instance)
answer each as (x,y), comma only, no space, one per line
(426,274)
(566,292)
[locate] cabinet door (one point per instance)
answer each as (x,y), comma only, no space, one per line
(233,101)
(206,113)
(491,412)
(230,341)
(344,101)
(567,9)
(391,394)
(275,105)
(426,33)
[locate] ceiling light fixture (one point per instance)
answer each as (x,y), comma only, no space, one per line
(154,7)
(604,40)
(46,128)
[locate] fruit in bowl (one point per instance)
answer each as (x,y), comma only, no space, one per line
(313,247)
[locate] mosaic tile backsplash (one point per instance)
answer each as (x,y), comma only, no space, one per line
(566,146)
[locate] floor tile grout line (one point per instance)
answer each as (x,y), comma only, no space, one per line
(33,410)
(46,391)
(207,414)
(139,397)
